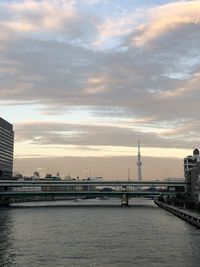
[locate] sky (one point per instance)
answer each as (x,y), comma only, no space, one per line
(83,80)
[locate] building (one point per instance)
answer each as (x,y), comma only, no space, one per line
(6,149)
(192,179)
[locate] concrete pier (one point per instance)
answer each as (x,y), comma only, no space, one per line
(124,200)
(187,215)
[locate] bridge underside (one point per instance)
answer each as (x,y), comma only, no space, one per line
(31,196)
(77,193)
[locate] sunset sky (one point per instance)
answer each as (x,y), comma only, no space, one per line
(83,80)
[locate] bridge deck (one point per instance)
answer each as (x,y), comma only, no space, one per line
(14,183)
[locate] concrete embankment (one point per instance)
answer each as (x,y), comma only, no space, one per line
(187,215)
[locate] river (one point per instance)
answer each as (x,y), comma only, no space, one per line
(87,233)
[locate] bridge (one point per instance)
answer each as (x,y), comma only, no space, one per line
(15,190)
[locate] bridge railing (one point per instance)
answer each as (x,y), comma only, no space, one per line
(13,183)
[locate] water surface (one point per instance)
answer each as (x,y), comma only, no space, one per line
(90,234)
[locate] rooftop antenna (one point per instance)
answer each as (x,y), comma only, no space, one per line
(139,163)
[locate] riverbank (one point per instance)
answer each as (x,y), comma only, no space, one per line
(193,217)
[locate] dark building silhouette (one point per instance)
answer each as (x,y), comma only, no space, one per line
(6,149)
(192,179)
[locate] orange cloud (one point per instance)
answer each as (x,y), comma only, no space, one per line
(114,27)
(96,85)
(188,86)
(168,17)
(30,16)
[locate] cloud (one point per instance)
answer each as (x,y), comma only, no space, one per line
(168,17)
(82,135)
(47,20)
(152,71)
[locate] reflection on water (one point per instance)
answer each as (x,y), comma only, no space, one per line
(6,253)
(113,202)
(99,236)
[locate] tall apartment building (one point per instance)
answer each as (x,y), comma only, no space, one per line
(6,149)
(192,179)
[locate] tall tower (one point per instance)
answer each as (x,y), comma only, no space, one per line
(139,163)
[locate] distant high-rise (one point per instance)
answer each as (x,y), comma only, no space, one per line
(139,163)
(6,149)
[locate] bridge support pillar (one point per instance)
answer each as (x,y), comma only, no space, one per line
(124,200)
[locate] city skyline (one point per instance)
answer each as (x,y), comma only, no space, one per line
(83,81)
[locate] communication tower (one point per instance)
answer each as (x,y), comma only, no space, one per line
(139,163)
